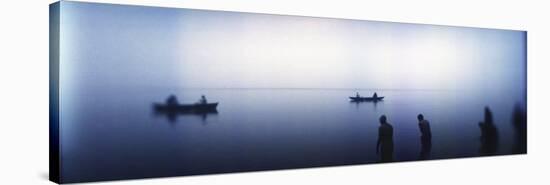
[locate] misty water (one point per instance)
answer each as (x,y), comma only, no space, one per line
(110,134)
(116,61)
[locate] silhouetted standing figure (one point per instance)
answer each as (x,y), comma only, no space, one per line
(519,120)
(425,137)
(489,134)
(375,95)
(203,100)
(384,145)
(172,100)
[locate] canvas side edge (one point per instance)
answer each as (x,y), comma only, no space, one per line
(54,36)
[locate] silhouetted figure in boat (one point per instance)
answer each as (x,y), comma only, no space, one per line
(172,100)
(375,95)
(489,134)
(519,120)
(357,95)
(425,137)
(203,100)
(384,145)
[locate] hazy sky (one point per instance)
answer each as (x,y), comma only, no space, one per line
(110,45)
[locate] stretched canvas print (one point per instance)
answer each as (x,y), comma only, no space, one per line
(140,92)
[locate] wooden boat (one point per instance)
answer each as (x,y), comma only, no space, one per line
(197,107)
(365,99)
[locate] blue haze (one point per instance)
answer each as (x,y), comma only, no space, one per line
(282,83)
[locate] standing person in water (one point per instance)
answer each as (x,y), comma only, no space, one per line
(425,137)
(424,126)
(384,145)
(489,134)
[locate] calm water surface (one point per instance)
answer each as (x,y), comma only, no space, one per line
(116,135)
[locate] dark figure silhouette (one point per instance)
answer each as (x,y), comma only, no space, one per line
(384,145)
(173,113)
(172,100)
(519,119)
(489,134)
(375,95)
(425,137)
(203,100)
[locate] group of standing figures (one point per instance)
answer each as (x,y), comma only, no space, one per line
(488,138)
(384,144)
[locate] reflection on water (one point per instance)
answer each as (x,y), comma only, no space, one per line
(263,129)
(172,116)
(363,103)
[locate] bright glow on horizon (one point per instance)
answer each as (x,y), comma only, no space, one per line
(209,49)
(246,50)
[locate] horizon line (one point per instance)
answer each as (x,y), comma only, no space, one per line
(314,88)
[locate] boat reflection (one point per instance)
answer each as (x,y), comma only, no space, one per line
(358,103)
(172,115)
